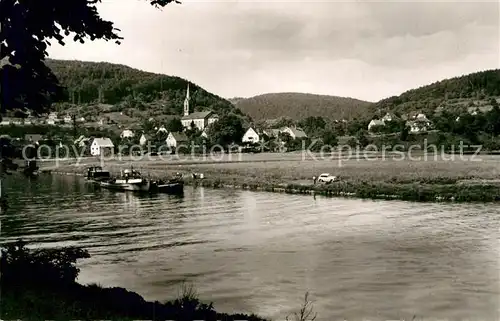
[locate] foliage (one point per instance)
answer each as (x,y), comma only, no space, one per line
(106,83)
(227,130)
(174,125)
(299,106)
(40,285)
(427,98)
(27,29)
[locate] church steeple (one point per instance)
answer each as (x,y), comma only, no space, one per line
(186,102)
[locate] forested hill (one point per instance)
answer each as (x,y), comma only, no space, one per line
(298,106)
(475,89)
(107,83)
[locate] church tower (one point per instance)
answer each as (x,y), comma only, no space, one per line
(186,103)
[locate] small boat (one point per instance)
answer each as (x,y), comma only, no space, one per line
(97,173)
(171,186)
(129,180)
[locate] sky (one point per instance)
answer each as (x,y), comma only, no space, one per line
(362,49)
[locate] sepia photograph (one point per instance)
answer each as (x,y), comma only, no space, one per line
(228,160)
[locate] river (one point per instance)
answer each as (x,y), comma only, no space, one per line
(260,252)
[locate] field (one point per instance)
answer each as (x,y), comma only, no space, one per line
(296,168)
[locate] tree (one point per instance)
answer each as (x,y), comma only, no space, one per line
(329,138)
(27,28)
(227,130)
(174,125)
(405,131)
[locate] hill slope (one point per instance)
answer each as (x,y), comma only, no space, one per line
(454,93)
(299,106)
(113,84)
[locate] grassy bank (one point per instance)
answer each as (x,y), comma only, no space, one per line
(460,180)
(41,285)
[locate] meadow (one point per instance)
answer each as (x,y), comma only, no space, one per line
(424,178)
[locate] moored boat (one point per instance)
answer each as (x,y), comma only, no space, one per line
(129,180)
(97,173)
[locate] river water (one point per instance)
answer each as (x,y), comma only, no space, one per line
(260,252)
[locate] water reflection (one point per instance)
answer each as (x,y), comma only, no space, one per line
(260,252)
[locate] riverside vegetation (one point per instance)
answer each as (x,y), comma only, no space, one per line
(40,284)
(460,180)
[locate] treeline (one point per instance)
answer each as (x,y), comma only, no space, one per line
(479,85)
(106,83)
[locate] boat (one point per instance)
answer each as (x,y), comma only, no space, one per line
(97,173)
(170,186)
(129,180)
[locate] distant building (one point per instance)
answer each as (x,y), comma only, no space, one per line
(127,133)
(294,132)
(143,140)
(200,120)
(162,129)
(176,139)
(251,136)
(81,141)
(101,146)
(375,123)
(389,117)
(479,110)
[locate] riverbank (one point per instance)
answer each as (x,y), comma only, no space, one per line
(41,285)
(424,181)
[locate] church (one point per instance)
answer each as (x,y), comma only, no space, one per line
(200,119)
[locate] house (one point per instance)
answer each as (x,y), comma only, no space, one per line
(476,110)
(294,132)
(101,146)
(374,123)
(33,138)
(144,139)
(389,117)
(6,121)
(251,136)
(418,126)
(53,116)
(200,120)
(127,133)
(271,133)
(81,141)
(162,129)
(175,139)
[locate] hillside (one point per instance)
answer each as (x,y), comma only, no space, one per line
(476,89)
(299,106)
(126,88)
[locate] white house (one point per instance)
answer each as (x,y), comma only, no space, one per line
(176,139)
(375,122)
(143,140)
(295,133)
(101,146)
(250,136)
(418,126)
(127,133)
(201,119)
